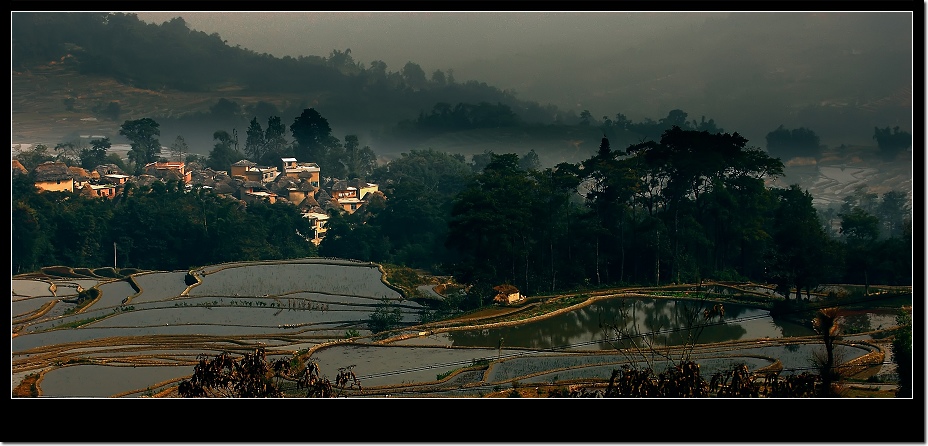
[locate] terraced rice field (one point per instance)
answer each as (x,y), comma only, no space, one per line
(155,325)
(145,331)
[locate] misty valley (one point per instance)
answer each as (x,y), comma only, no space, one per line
(192,218)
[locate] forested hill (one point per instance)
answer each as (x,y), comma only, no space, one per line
(85,73)
(170,57)
(88,72)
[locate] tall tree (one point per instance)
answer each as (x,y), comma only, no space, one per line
(491,226)
(795,259)
(826,325)
(555,265)
(611,184)
(223,153)
(143,136)
(313,142)
(586,118)
(255,141)
(860,230)
(414,76)
(69,152)
(96,154)
(529,161)
(894,208)
(359,161)
(275,138)
(179,149)
(682,170)
(439,78)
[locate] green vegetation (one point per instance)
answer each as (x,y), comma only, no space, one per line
(407,280)
(505,222)
(475,364)
(683,201)
(83,299)
(386,316)
(78,323)
(482,362)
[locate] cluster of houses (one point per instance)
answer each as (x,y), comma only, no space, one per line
(292,182)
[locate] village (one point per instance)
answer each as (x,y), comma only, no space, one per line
(294,182)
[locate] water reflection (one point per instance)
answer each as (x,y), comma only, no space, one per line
(664,321)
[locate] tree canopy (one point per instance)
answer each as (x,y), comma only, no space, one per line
(891,143)
(786,144)
(143,134)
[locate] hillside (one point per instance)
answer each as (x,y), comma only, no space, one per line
(40,115)
(55,102)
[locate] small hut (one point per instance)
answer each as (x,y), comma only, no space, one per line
(506,294)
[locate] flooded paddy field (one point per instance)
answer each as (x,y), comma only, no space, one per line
(143,333)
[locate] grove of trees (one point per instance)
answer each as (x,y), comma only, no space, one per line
(891,143)
(143,135)
(785,144)
(689,206)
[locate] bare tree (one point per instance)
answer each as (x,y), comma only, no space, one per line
(253,377)
(681,376)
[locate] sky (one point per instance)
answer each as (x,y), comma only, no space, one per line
(749,71)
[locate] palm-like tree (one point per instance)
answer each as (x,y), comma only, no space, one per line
(826,325)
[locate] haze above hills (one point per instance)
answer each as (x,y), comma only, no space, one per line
(840,74)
